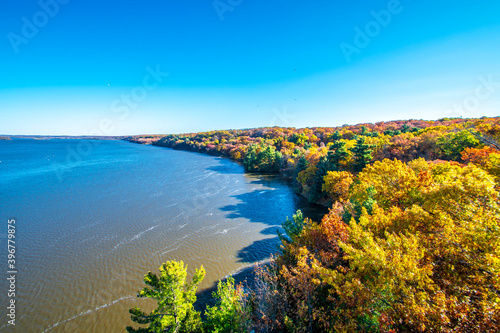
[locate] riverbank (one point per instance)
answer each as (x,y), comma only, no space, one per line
(246,275)
(394,188)
(285,175)
(306,156)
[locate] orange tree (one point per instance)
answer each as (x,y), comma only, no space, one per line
(422,255)
(427,255)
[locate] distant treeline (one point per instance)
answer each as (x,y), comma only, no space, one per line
(306,155)
(65,137)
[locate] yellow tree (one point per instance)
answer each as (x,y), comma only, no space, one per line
(427,255)
(337,184)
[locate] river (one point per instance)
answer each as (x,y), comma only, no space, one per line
(92,217)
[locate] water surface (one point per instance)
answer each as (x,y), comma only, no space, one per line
(94,216)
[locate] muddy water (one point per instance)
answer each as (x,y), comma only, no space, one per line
(93,217)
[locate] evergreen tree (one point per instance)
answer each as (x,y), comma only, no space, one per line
(364,130)
(338,152)
(317,187)
(175,312)
(362,154)
(292,227)
(264,158)
(250,159)
(302,164)
(335,136)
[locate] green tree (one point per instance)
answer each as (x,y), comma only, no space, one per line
(335,136)
(292,227)
(231,314)
(175,298)
(270,159)
(338,152)
(264,158)
(453,144)
(250,158)
(317,186)
(299,139)
(362,154)
(302,164)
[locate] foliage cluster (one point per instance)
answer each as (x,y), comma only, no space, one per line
(175,299)
(307,155)
(411,242)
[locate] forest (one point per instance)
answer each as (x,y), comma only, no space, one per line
(411,242)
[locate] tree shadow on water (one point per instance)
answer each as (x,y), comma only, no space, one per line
(270,206)
(261,206)
(227,169)
(270,180)
(203,298)
(258,250)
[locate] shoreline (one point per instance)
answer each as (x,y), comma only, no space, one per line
(282,176)
(244,275)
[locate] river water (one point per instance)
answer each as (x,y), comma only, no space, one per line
(92,217)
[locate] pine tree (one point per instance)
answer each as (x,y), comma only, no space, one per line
(317,187)
(362,154)
(250,159)
(338,152)
(292,227)
(335,136)
(175,312)
(302,164)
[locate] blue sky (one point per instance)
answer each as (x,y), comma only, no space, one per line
(100,67)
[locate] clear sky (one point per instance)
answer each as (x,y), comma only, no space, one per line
(171,66)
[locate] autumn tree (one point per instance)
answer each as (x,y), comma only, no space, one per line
(487,158)
(337,184)
(306,295)
(426,257)
(175,298)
